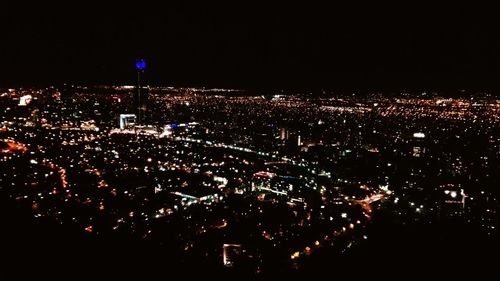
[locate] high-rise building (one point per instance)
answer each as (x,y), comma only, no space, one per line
(141,95)
(127,121)
(35,117)
(418,145)
(284,134)
(231,253)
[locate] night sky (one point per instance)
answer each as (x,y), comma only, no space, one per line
(252,46)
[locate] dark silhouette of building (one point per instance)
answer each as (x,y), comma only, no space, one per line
(141,94)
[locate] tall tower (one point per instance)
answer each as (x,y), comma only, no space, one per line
(140,66)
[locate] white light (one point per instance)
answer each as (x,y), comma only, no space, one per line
(419,135)
(453,194)
(25,100)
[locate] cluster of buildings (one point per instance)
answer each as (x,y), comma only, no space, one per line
(243,178)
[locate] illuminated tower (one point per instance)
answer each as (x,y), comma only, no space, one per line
(140,66)
(418,143)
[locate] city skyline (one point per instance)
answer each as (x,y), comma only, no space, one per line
(237,140)
(239,183)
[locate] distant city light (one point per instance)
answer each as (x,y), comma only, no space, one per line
(299,173)
(453,194)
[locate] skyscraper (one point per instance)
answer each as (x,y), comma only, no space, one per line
(283,133)
(418,145)
(141,94)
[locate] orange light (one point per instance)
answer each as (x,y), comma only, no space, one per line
(89,229)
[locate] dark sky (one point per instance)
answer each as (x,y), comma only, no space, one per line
(257,46)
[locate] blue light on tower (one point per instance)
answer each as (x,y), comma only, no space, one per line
(140,65)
